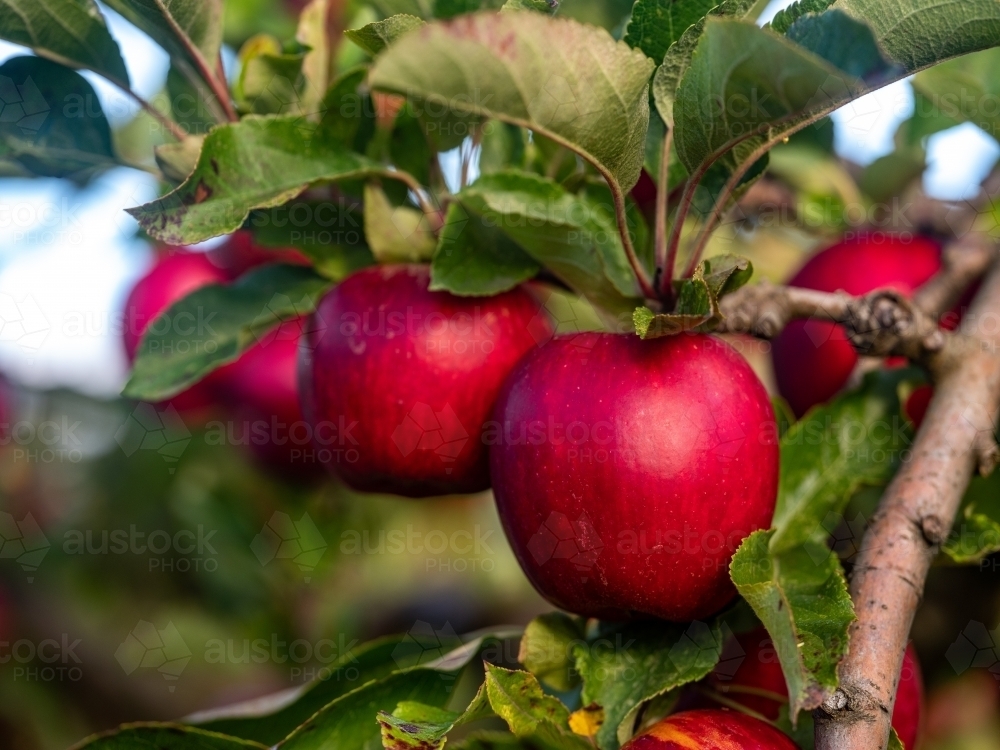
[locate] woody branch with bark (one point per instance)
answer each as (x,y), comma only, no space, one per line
(918,508)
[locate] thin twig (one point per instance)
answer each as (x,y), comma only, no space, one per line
(664,261)
(216,84)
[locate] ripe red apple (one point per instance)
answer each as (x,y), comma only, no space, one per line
(239,253)
(405,378)
(759,677)
(175,274)
(627,472)
(813,359)
(263,394)
(710,729)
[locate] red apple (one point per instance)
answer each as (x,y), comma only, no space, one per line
(627,472)
(175,274)
(813,359)
(759,684)
(710,729)
(263,394)
(405,378)
(239,253)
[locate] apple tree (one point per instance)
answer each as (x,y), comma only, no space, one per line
(675,512)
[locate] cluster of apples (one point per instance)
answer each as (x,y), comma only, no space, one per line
(626,472)
(258,389)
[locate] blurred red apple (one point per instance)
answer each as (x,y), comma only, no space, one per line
(627,472)
(759,684)
(813,359)
(404,378)
(710,729)
(263,394)
(175,274)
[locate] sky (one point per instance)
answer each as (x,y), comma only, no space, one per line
(68,258)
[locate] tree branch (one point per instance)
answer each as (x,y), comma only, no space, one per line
(916,513)
(913,519)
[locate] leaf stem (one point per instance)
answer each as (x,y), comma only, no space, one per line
(664,261)
(216,84)
(622,220)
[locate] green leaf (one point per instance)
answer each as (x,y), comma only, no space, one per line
(319,64)
(259,162)
(656,24)
(976,532)
(348,115)
(763,79)
(189,30)
(192,104)
(164,736)
(627,666)
(890,175)
(857,439)
(802,599)
(919,33)
(678,58)
(396,234)
(894,742)
(747,88)
(53,124)
(547,647)
(356,666)
(422,727)
(548,7)
(348,723)
(573,236)
(785,17)
(475,259)
(375,37)
(569,82)
(330,233)
(697,306)
(270,80)
(71,32)
(177,160)
(215,324)
(541,719)
(960,90)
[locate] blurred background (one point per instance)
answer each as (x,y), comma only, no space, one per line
(150,578)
